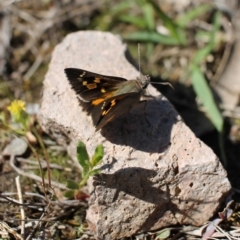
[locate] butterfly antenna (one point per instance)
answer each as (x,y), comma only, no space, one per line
(139,63)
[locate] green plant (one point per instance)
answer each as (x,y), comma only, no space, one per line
(148,25)
(203,90)
(22,125)
(88,169)
(199,81)
(20,119)
(87,164)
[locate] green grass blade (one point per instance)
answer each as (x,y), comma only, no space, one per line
(203,53)
(222,148)
(149,16)
(110,17)
(120,7)
(136,21)
(192,14)
(152,37)
(203,36)
(204,93)
(216,27)
(175,31)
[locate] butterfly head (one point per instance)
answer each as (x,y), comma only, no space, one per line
(144,80)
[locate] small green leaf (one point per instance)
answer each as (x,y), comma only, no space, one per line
(95,172)
(98,155)
(205,95)
(83,157)
(80,230)
(72,185)
(163,234)
(69,194)
(3,117)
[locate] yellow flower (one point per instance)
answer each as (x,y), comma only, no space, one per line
(16,107)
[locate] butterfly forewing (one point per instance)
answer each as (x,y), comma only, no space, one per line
(89,85)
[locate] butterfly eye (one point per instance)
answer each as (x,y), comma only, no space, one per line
(144,86)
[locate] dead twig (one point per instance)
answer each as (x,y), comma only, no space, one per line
(34,176)
(5,228)
(38,223)
(43,164)
(20,197)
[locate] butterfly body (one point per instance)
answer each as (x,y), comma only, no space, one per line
(106,97)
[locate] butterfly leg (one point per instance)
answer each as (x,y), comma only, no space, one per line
(145,112)
(146,97)
(144,101)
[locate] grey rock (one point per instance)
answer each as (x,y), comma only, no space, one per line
(155,172)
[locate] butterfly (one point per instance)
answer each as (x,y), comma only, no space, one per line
(106,97)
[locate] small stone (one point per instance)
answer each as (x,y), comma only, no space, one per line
(17,147)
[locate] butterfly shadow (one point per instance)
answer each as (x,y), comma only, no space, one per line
(137,183)
(146,127)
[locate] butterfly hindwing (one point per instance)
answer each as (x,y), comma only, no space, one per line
(112,108)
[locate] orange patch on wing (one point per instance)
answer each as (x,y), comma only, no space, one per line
(113,103)
(97,101)
(91,85)
(84,83)
(97,80)
(108,95)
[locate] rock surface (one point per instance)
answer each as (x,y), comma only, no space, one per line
(155,171)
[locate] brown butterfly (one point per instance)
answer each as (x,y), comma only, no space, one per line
(106,97)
